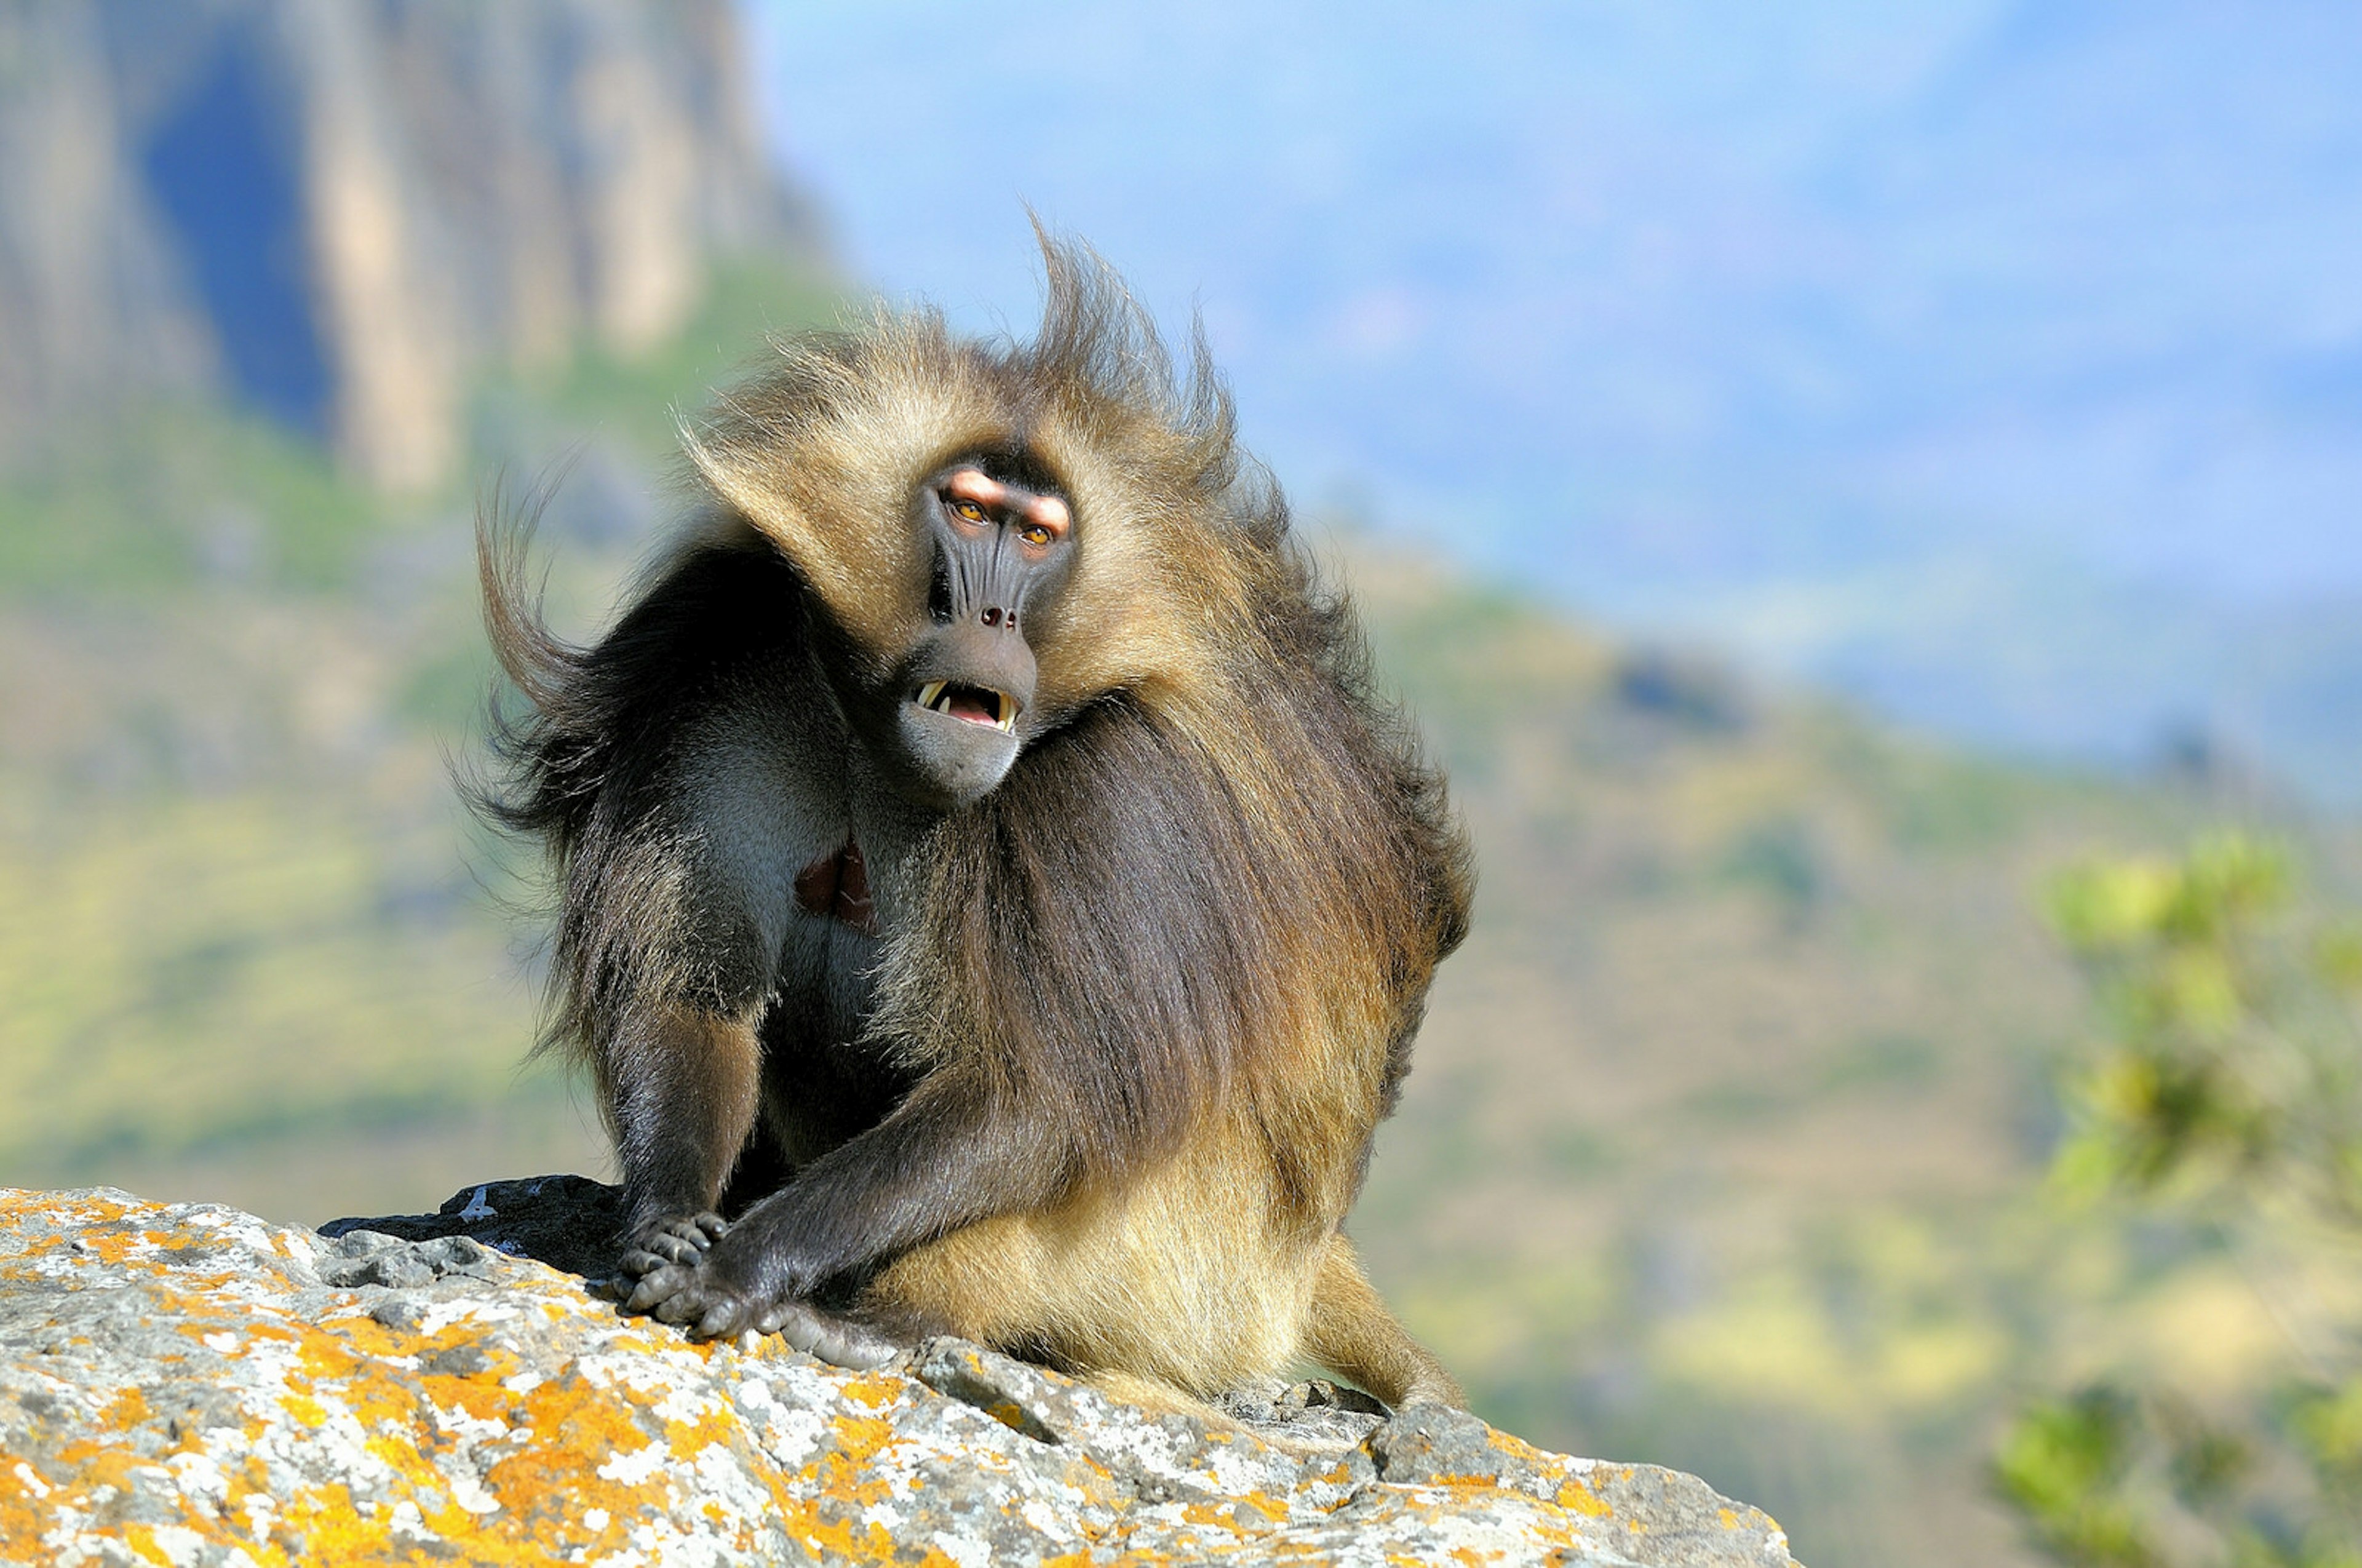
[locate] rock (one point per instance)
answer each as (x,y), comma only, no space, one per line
(189,1385)
(424,193)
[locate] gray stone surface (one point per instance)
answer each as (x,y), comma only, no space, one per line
(191,1385)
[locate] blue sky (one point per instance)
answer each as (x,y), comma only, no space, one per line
(1748,320)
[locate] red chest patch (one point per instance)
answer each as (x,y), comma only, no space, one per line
(838,886)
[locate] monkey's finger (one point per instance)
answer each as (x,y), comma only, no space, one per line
(711,1224)
(793,1321)
(678,1249)
(834,1340)
(658,1284)
(683,1307)
(852,1345)
(639,1263)
(721,1320)
(689,1233)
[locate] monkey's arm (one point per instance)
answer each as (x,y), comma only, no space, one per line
(952,1154)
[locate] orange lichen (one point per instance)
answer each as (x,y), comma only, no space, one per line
(1575,1495)
(120,1246)
(873,1390)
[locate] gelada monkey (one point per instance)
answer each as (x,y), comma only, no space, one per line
(993,901)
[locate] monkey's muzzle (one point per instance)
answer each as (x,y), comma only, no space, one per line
(954,754)
(957,705)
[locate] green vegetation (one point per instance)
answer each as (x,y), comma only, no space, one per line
(2228,1093)
(181,493)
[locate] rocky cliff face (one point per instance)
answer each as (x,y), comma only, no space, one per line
(338,211)
(189,1385)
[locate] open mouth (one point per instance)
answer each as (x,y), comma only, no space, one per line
(975,704)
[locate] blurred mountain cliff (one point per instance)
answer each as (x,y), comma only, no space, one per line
(341,214)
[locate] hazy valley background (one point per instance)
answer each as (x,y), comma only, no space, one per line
(1997,370)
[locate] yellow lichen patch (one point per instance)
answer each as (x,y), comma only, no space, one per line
(582,1471)
(17,1203)
(124,1411)
(825,1510)
(25,1497)
(1239,1518)
(1520,1450)
(1580,1499)
(119,1246)
(873,1390)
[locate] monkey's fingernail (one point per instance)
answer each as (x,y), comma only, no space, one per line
(659,1285)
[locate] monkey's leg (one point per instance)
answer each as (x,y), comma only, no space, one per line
(1350,1331)
(685,1098)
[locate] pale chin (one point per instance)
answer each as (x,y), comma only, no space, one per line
(949,762)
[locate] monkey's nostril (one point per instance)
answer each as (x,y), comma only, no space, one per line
(991,615)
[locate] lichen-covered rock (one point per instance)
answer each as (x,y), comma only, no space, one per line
(187,1384)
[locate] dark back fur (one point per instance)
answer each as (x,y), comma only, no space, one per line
(592,770)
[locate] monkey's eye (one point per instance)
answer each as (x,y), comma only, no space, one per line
(967,511)
(1035,533)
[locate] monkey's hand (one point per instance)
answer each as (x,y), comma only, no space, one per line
(677,1281)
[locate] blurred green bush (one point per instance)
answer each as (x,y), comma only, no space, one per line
(2228,1086)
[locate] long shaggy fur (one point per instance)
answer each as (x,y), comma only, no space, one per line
(1208,898)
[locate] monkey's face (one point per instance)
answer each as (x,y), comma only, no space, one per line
(945,720)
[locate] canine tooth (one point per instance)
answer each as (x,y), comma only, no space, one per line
(930,692)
